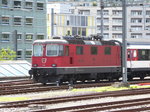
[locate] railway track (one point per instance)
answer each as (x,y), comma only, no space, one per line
(15,82)
(123,105)
(28,86)
(116,106)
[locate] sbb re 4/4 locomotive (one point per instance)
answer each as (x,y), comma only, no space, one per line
(60,60)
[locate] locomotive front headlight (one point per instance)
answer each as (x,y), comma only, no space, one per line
(54,65)
(35,65)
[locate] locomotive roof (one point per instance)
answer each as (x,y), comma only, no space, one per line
(74,41)
(54,41)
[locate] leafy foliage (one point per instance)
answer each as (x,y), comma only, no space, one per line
(7,54)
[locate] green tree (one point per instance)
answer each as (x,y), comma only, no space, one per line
(7,54)
(94,4)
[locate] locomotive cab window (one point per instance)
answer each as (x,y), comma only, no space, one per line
(107,51)
(79,50)
(94,50)
(54,50)
(38,50)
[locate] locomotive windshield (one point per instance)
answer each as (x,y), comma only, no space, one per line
(38,50)
(54,50)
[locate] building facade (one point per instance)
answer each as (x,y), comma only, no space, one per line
(138,17)
(138,21)
(64,22)
(24,20)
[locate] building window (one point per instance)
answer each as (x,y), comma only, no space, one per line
(107,50)
(136,35)
(147,20)
(79,50)
(74,31)
(78,21)
(147,28)
(29,21)
(85,12)
(94,50)
(5,20)
(117,12)
(40,6)
(106,28)
(29,36)
(117,28)
(116,35)
(19,53)
(105,20)
(136,20)
(148,13)
(5,37)
(40,37)
(136,13)
(148,35)
(17,20)
(79,31)
(4,3)
(19,36)
(28,53)
(68,32)
(83,21)
(67,22)
(105,12)
(117,20)
(106,35)
(17,4)
(136,28)
(83,31)
(28,5)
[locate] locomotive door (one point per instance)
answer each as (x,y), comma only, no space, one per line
(131,57)
(69,55)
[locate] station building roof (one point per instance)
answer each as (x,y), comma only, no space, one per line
(14,69)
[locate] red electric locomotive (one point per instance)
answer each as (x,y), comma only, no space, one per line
(59,60)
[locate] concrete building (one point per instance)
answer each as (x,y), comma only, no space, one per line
(28,18)
(138,21)
(138,16)
(65,22)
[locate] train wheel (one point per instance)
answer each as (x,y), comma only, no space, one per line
(141,77)
(117,78)
(97,80)
(130,78)
(44,84)
(59,82)
(35,78)
(83,80)
(110,78)
(71,82)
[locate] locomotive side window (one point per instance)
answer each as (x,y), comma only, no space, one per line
(94,50)
(54,50)
(144,54)
(38,50)
(107,50)
(79,50)
(67,51)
